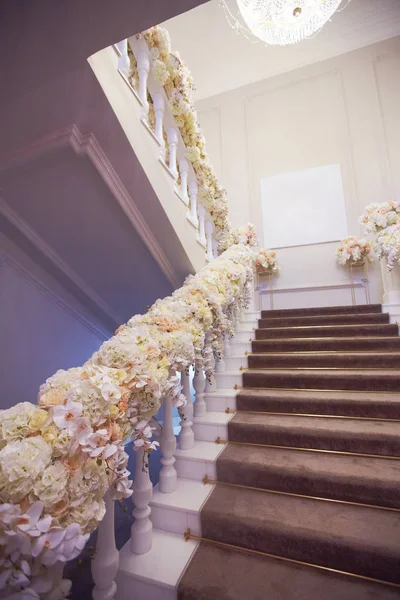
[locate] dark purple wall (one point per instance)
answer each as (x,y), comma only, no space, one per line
(39,39)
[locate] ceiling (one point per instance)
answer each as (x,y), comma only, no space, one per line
(220,60)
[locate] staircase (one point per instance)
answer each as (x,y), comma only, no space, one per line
(304,500)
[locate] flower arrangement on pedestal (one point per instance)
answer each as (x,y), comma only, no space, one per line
(388,245)
(378,216)
(265,261)
(353,250)
(60,457)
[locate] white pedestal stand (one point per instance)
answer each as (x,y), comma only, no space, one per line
(391,292)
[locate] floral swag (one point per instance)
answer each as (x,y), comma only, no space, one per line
(171,73)
(60,457)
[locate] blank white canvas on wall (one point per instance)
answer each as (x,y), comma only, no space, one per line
(303,207)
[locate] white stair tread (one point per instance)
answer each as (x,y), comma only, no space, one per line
(165,562)
(205,451)
(213,418)
(230,373)
(189,496)
(221,394)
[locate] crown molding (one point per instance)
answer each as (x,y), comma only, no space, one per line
(88,144)
(56,260)
(83,317)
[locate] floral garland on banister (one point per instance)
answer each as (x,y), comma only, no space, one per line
(60,457)
(171,73)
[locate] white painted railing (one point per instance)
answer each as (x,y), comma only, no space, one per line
(105,563)
(172,149)
(183,176)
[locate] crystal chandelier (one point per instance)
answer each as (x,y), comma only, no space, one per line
(281,21)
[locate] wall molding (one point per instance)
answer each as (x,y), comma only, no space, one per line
(386,162)
(346,143)
(216,109)
(317,287)
(56,260)
(88,145)
(82,317)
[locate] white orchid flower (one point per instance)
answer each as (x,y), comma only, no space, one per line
(65,413)
(110,391)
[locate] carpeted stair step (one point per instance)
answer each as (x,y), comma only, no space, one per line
(315,331)
(364,480)
(340,360)
(306,321)
(360,540)
(340,344)
(221,573)
(322,310)
(321,433)
(324,379)
(317,402)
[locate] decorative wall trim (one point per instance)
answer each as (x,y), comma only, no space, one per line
(386,158)
(82,317)
(54,257)
(216,109)
(318,287)
(350,153)
(346,152)
(88,144)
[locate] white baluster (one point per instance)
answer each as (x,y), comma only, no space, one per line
(220,365)
(209,234)
(186,436)
(124,64)
(227,346)
(215,248)
(143,66)
(183,168)
(55,576)
(211,383)
(168,474)
(202,232)
(173,145)
(106,560)
(142,528)
(199,382)
(238,318)
(193,190)
(159,108)
(242,314)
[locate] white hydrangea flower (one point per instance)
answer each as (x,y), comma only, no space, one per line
(21,464)
(193,154)
(89,481)
(159,71)
(88,513)
(51,488)
(17,421)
